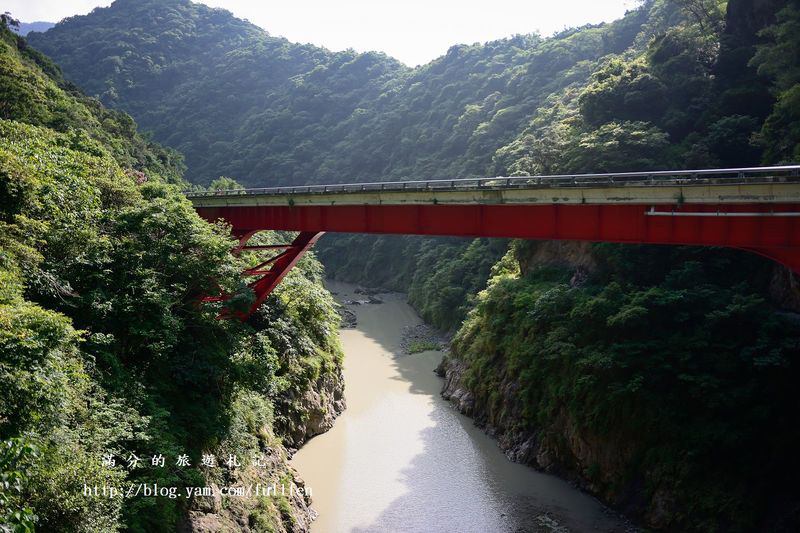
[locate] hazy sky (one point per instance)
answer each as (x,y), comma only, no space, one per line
(413,31)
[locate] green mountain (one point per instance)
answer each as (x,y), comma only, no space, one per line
(104,350)
(713,88)
(241,103)
(26,27)
(660,378)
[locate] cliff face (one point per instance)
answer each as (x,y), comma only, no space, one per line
(288,507)
(590,363)
(785,289)
(317,408)
(562,448)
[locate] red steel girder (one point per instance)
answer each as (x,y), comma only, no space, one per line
(771,229)
(269,279)
(281,265)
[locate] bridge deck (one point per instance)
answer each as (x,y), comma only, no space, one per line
(719,186)
(756,209)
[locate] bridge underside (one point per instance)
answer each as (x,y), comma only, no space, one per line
(269,272)
(769,229)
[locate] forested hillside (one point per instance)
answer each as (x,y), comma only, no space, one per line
(27,27)
(672,84)
(659,378)
(103,346)
(715,89)
(241,103)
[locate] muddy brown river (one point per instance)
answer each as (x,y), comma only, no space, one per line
(400,458)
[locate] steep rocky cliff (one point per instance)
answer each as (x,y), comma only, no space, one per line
(316,408)
(632,391)
(288,507)
(272,430)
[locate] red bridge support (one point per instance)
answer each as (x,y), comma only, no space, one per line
(769,229)
(753,209)
(269,272)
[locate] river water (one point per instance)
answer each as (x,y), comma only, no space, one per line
(400,458)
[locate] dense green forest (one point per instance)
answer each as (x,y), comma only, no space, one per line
(103,346)
(662,378)
(715,89)
(670,84)
(682,359)
(238,102)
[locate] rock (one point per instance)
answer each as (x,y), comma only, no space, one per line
(370,291)
(570,254)
(322,402)
(784,288)
(525,452)
(413,337)
(545,459)
(563,447)
(356,302)
(209,504)
(578,278)
(659,514)
(349,318)
(199,522)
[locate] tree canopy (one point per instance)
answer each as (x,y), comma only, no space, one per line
(103,346)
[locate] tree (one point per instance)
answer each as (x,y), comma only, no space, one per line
(224,183)
(777,59)
(15,457)
(622,90)
(618,147)
(8,22)
(708,14)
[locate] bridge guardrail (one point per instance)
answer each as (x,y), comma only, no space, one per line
(725,176)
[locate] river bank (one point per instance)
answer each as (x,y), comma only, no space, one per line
(402,458)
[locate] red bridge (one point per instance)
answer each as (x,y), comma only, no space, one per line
(754,209)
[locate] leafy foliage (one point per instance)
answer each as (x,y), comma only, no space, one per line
(686,364)
(103,347)
(674,352)
(241,103)
(13,476)
(777,59)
